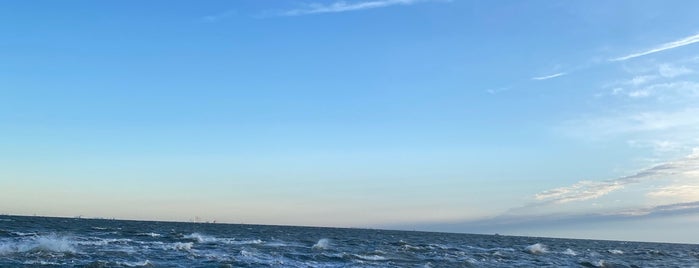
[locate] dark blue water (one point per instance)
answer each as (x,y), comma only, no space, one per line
(61,242)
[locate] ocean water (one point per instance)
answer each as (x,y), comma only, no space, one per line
(67,242)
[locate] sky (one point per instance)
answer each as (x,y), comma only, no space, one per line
(544,118)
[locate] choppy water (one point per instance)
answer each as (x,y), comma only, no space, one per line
(39,241)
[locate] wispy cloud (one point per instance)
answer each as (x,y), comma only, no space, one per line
(342,6)
(219,16)
(580,191)
(670,71)
(675,44)
(548,76)
(585,190)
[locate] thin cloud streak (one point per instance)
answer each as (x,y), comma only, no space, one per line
(585,190)
(342,6)
(539,78)
(675,44)
(219,16)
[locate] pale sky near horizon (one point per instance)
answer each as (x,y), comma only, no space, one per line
(567,119)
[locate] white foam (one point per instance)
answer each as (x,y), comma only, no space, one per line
(537,248)
(145,263)
(96,241)
(246,253)
(370,257)
(411,247)
(181,246)
(150,234)
(24,234)
(615,251)
(202,238)
(6,248)
(244,242)
(569,252)
(41,263)
(323,243)
(50,243)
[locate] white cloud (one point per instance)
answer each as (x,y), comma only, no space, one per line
(586,190)
(219,16)
(656,145)
(657,123)
(683,192)
(641,79)
(670,71)
(580,191)
(342,6)
(497,90)
(675,44)
(548,76)
(639,93)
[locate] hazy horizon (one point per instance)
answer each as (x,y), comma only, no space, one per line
(576,120)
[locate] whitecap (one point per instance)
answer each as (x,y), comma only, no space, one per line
(180,246)
(50,243)
(615,251)
(537,248)
(24,234)
(201,238)
(243,242)
(150,234)
(145,263)
(6,248)
(96,241)
(569,252)
(323,243)
(411,247)
(370,257)
(34,263)
(53,243)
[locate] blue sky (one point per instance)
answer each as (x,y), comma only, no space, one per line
(533,118)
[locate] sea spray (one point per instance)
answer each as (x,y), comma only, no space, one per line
(537,248)
(323,243)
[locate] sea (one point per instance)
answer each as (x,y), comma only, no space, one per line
(75,242)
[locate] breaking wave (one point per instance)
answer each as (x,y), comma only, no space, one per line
(537,248)
(323,243)
(49,243)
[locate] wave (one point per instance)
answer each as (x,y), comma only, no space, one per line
(370,257)
(24,234)
(537,248)
(206,239)
(151,234)
(323,243)
(244,242)
(145,263)
(182,246)
(96,241)
(569,252)
(49,243)
(615,251)
(591,264)
(201,238)
(42,263)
